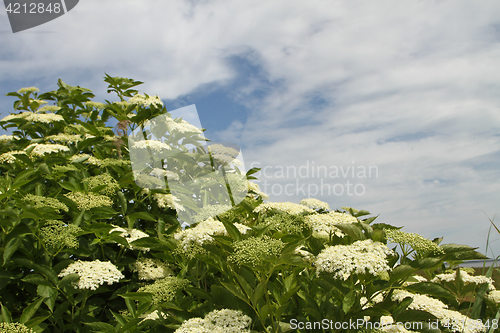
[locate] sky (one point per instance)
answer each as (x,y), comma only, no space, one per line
(388,106)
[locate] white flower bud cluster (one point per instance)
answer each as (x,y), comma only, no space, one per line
(64,138)
(96,105)
(93,273)
(86,201)
(287,207)
(49,108)
(6,138)
(324,224)
(315,204)
(15,328)
(360,257)
(416,241)
(220,321)
(41,201)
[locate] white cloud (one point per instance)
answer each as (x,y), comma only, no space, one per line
(410,87)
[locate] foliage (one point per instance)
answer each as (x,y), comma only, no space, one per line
(84,248)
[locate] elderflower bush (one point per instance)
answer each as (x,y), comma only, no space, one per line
(87,244)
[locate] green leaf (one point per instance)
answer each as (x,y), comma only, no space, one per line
(235,291)
(142,216)
(30,310)
(232,230)
(352,230)
(10,248)
(6,316)
(70,278)
(348,301)
(101,327)
(401,272)
(431,289)
(37,279)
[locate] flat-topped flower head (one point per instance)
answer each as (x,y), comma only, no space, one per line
(201,234)
(57,234)
(168,200)
(111,185)
(96,105)
(287,207)
(45,118)
(315,204)
(466,278)
(28,90)
(164,290)
(361,257)
(217,321)
(40,201)
(86,159)
(93,273)
(86,201)
(253,250)
(154,145)
(416,241)
(64,138)
(440,310)
(145,100)
(223,150)
(48,108)
(40,149)
(6,138)
(181,126)
(10,157)
(325,224)
(15,328)
(151,269)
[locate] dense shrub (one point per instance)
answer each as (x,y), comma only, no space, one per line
(84,248)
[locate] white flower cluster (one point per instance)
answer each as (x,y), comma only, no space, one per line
(9,156)
(64,138)
(93,273)
(40,149)
(154,145)
(96,105)
(441,311)
(360,257)
(151,269)
(418,279)
(46,118)
(168,200)
(164,173)
(287,207)
(315,204)
(131,235)
(49,108)
(27,90)
(217,321)
(181,126)
(6,138)
(15,328)
(494,295)
(223,150)
(203,231)
(153,316)
(254,188)
(466,278)
(324,224)
(145,101)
